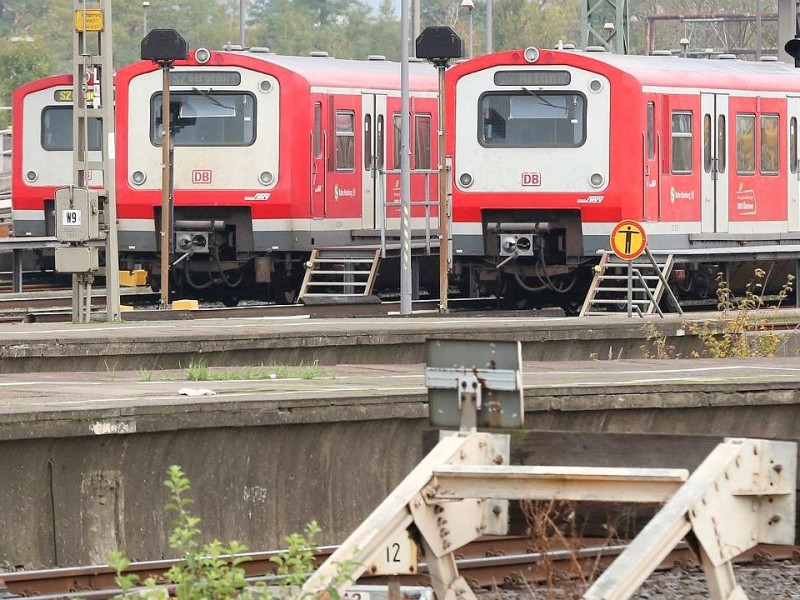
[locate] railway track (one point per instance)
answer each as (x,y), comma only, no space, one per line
(49,305)
(487,563)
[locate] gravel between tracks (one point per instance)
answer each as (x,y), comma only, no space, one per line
(767,581)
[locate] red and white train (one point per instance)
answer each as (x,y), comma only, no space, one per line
(275,156)
(552,148)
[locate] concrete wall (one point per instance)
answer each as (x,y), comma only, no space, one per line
(128,348)
(70,500)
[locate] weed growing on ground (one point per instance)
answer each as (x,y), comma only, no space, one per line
(740,331)
(198,371)
(658,342)
(551,527)
(555,529)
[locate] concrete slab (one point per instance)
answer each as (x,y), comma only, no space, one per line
(91,403)
(41,347)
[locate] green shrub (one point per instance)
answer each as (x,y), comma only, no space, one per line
(739,331)
(213,571)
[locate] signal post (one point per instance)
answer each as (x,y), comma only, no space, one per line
(440,45)
(86,219)
(164,47)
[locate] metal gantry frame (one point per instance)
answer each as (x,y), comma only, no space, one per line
(605,23)
(743,494)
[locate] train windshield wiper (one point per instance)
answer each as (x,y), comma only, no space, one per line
(541,98)
(213,100)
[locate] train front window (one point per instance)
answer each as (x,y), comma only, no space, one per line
(57,130)
(206,118)
(531,119)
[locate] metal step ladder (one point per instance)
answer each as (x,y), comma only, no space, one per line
(608,292)
(340,275)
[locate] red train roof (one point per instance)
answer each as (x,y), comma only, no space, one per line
(659,71)
(316,71)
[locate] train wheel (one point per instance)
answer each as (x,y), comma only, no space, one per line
(572,307)
(154,282)
(230,301)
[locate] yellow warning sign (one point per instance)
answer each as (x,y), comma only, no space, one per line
(628,239)
(94,20)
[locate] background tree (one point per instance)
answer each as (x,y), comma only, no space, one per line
(20,62)
(345,29)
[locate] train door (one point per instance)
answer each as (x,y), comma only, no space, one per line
(373,186)
(652,154)
(319,168)
(793,114)
(714,188)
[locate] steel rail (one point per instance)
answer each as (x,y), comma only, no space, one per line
(485,563)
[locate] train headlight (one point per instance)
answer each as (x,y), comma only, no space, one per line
(531,54)
(509,244)
(595,85)
(596,180)
(266,178)
(138,177)
(265,86)
(184,242)
(465,179)
(202,55)
(524,244)
(31,176)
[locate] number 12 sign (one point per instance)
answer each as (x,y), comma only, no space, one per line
(399,557)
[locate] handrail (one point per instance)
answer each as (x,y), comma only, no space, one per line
(427,203)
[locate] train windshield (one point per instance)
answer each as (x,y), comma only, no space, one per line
(201,118)
(57,129)
(531,119)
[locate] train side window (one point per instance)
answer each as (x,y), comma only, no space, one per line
(57,130)
(396,140)
(318,130)
(745,144)
(722,144)
(681,142)
(381,142)
(793,144)
(770,146)
(707,143)
(422,141)
(367,142)
(651,130)
(345,140)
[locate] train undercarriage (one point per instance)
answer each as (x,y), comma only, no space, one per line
(531,259)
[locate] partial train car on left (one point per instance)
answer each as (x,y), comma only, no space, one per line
(42,158)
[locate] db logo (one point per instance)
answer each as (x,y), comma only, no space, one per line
(201,176)
(531,179)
